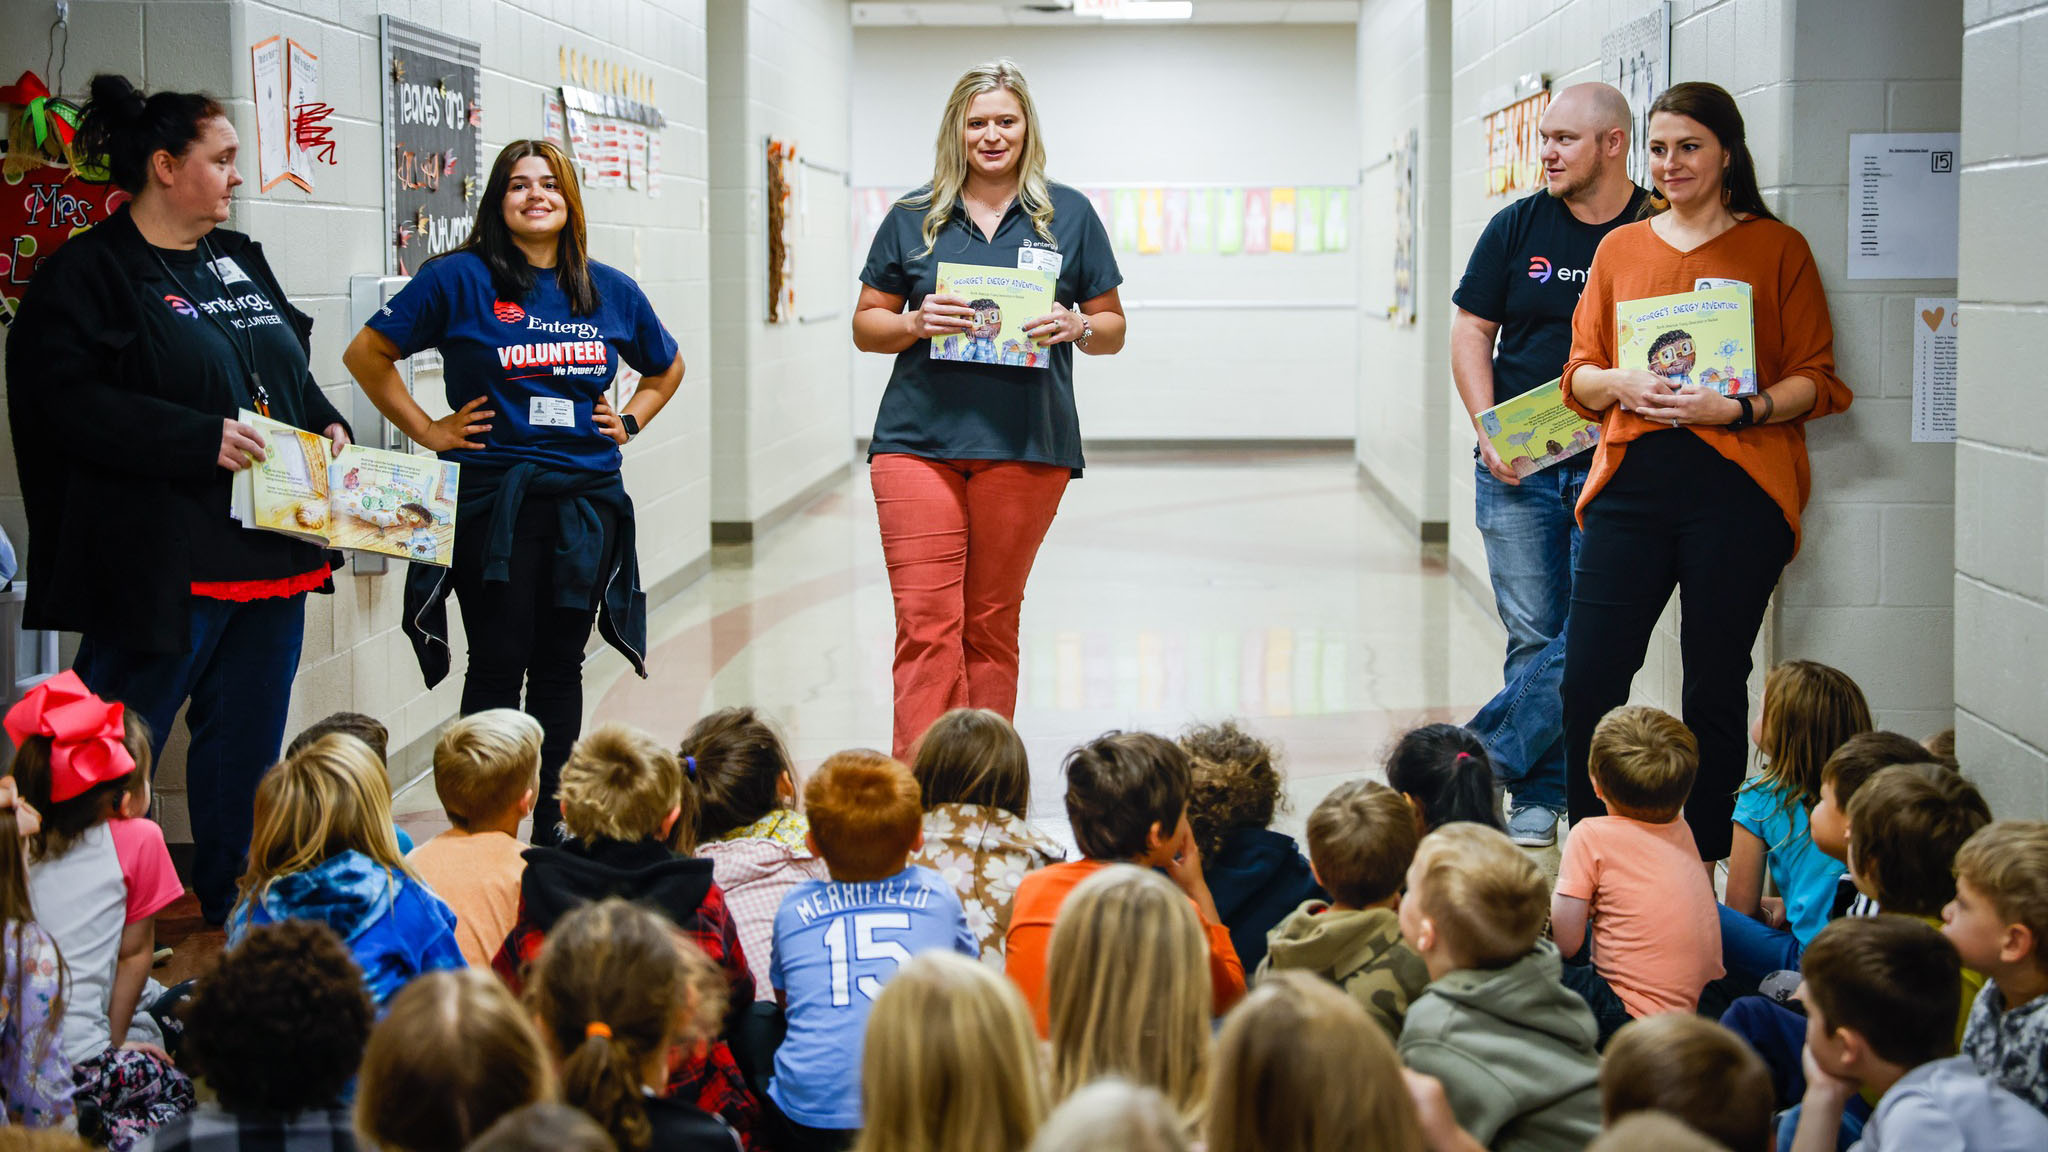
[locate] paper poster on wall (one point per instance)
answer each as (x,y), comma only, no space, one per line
(582,148)
(1098,198)
(1258,218)
(1229,220)
(1123,228)
(1175,211)
(1934,370)
(311,138)
(273,143)
(653,163)
(1151,220)
(1337,220)
(1202,220)
(553,124)
(1280,233)
(1636,58)
(1308,220)
(636,156)
(1406,159)
(1905,202)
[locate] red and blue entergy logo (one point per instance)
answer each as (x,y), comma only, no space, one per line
(508,312)
(1539,269)
(182,306)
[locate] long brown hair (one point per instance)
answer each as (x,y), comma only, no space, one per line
(1715,109)
(490,239)
(454,1052)
(734,763)
(1809,710)
(1300,1067)
(614,986)
(973,756)
(17,916)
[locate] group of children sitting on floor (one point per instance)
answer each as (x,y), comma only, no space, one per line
(889,957)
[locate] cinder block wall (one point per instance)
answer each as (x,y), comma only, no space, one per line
(2001,581)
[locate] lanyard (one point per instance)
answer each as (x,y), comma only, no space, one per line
(245,349)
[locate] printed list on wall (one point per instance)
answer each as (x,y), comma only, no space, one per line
(433,136)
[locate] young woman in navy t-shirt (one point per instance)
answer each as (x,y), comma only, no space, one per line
(531,332)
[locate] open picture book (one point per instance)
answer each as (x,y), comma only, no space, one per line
(367,499)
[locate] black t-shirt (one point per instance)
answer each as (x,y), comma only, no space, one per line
(213,327)
(966,411)
(1526,274)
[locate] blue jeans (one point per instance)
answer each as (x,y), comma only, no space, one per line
(1752,949)
(1532,545)
(237,671)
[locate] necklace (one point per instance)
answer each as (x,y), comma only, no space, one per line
(245,349)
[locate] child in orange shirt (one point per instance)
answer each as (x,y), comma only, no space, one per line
(1656,930)
(1127,799)
(487,773)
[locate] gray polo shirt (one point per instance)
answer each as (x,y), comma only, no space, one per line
(1945,1106)
(950,410)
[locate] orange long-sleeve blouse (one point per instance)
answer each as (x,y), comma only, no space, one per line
(1794,337)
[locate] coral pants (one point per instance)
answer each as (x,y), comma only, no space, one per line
(959,537)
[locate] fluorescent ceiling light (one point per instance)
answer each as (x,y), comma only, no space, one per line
(1152,10)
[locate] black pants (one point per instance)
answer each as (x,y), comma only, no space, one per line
(519,638)
(1675,513)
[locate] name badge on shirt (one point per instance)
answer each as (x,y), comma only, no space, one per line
(229,271)
(1043,259)
(550,412)
(1706,283)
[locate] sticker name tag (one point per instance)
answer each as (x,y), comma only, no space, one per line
(550,412)
(1706,283)
(1043,259)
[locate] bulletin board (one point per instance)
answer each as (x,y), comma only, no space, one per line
(826,283)
(433,141)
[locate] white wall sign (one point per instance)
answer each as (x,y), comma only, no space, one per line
(1934,370)
(1905,197)
(1636,58)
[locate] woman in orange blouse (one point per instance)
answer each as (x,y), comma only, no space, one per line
(1690,488)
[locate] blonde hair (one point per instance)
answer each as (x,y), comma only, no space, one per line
(1301,1067)
(620,784)
(1644,760)
(2008,863)
(951,1062)
(1486,897)
(329,797)
(1112,1115)
(454,1053)
(1809,709)
(1127,975)
(949,166)
(625,968)
(485,762)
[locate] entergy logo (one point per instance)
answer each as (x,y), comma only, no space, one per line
(182,306)
(1539,269)
(508,312)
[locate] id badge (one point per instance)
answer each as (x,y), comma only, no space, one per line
(1043,259)
(1706,283)
(550,412)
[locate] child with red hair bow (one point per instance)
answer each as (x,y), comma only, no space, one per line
(98,873)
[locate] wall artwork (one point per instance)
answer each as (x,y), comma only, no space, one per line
(1407,158)
(1636,58)
(433,141)
(44,199)
(781,156)
(1514,145)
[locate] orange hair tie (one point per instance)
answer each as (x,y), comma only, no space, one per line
(597,1028)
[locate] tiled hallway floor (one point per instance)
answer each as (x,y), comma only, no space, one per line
(1174,588)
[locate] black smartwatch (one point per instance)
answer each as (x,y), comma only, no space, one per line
(631,423)
(1748,416)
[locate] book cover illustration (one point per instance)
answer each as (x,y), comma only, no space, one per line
(366,499)
(1004,301)
(1535,430)
(1706,338)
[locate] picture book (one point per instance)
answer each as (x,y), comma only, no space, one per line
(1535,430)
(1004,301)
(1706,338)
(367,499)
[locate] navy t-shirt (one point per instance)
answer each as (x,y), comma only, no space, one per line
(1525,274)
(954,410)
(542,367)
